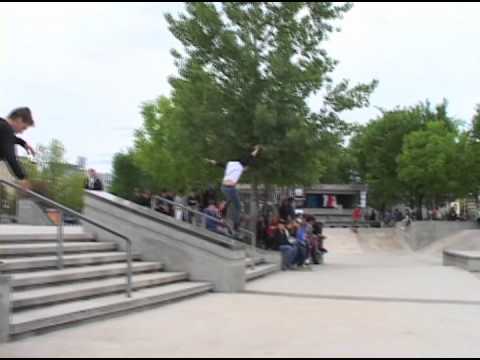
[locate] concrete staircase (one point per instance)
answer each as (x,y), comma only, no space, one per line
(91,285)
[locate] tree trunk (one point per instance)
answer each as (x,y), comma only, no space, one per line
(254,207)
(420,208)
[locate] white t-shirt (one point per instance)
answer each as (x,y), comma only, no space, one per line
(233,172)
(91,183)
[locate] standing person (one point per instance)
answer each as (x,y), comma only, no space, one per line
(18,121)
(313,245)
(233,172)
(192,203)
(170,208)
(357,217)
(93,181)
(178,210)
(318,232)
(286,210)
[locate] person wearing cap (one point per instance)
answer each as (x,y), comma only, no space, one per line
(18,121)
(288,250)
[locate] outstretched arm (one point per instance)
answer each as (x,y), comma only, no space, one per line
(25,145)
(216,163)
(257,150)
(252,157)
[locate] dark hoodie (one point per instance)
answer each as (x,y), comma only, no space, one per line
(8,140)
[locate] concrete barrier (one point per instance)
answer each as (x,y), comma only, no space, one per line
(179,246)
(424,233)
(467,260)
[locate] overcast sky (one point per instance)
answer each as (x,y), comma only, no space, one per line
(84,69)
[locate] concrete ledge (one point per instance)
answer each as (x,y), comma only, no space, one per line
(206,257)
(467,260)
(4,308)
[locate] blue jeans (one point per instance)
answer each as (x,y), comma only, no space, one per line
(233,199)
(302,255)
(289,254)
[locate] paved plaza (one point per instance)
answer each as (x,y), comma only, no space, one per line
(361,303)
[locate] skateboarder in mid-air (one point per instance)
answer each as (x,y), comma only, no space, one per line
(233,172)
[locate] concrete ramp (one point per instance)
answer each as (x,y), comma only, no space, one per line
(342,242)
(466,240)
(345,241)
(383,240)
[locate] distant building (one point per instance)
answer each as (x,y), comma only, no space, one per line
(82,163)
(332,204)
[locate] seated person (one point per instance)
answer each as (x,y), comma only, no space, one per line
(288,250)
(270,234)
(302,244)
(216,226)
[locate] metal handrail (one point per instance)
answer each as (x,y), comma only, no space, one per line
(60,231)
(206,217)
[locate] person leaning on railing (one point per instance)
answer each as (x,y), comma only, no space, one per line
(17,122)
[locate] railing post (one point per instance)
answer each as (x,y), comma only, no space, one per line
(60,242)
(5,308)
(254,250)
(129,270)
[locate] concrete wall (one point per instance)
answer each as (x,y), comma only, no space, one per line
(180,246)
(424,233)
(4,308)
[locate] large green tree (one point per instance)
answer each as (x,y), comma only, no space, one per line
(246,71)
(128,176)
(428,164)
(53,177)
(377,148)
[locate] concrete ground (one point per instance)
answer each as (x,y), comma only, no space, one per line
(360,304)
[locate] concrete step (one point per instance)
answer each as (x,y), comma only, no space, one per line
(46,238)
(89,289)
(249,262)
(22,234)
(81,273)
(43,249)
(63,314)
(26,263)
(261,271)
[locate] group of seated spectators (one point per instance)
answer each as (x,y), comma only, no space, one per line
(300,240)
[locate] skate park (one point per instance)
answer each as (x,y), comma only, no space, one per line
(377,282)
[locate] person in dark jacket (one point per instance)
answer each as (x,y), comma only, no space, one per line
(93,182)
(288,249)
(17,122)
(286,210)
